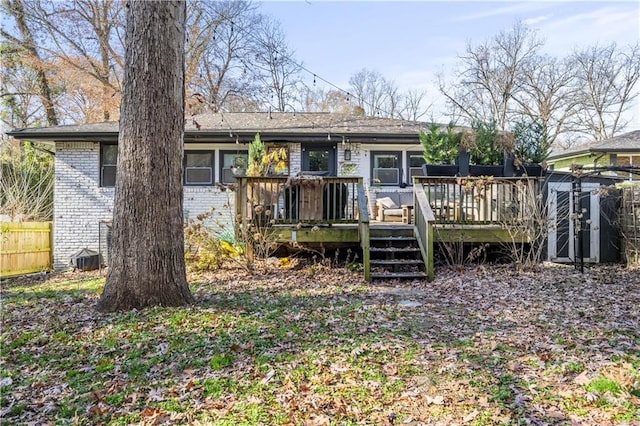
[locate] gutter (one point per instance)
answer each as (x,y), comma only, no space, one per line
(208,137)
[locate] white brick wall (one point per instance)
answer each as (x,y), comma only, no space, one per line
(80,203)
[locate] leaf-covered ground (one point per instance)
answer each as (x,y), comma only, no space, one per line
(313,345)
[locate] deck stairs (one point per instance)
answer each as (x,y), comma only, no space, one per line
(395,253)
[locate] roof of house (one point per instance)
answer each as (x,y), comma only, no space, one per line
(627,142)
(227,127)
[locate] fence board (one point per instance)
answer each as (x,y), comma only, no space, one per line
(25,247)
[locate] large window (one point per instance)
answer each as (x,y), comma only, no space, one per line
(231,161)
(415,160)
(198,167)
(108,160)
(386,167)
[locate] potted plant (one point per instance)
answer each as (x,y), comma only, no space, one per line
(531,146)
(487,154)
(440,150)
(239,167)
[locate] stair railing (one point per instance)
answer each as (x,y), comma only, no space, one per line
(424,221)
(363,229)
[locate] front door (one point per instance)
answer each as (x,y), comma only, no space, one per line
(319,159)
(565,222)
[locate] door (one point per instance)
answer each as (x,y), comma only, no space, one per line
(320,159)
(567,225)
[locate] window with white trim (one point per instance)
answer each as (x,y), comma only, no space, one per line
(198,168)
(415,160)
(386,168)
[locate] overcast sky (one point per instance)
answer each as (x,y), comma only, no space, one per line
(411,42)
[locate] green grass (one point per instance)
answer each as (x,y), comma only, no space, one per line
(287,350)
(602,385)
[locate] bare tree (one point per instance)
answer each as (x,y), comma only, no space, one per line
(370,92)
(320,99)
(85,36)
(486,83)
(546,96)
(605,80)
(20,51)
(218,47)
(147,265)
(274,66)
(413,108)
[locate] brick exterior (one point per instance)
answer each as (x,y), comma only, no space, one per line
(80,204)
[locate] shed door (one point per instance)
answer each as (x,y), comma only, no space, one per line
(562,246)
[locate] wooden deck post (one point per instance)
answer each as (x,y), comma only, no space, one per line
(363,225)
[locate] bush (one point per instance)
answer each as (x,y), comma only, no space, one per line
(26,182)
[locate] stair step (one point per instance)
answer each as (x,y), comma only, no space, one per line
(394,249)
(391,275)
(396,262)
(399,238)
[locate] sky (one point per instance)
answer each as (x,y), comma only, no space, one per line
(411,42)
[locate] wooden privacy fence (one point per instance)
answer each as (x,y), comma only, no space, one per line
(25,247)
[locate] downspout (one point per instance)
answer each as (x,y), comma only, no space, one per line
(595,160)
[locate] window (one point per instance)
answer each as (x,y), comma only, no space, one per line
(415,160)
(198,168)
(319,159)
(385,167)
(627,161)
(230,160)
(108,161)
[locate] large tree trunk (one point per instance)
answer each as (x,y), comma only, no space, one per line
(147,267)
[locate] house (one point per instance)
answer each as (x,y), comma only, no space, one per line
(386,153)
(618,152)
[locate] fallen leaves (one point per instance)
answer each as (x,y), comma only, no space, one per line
(317,345)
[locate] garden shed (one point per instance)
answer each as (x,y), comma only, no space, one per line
(583,218)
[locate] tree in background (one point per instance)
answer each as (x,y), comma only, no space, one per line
(372,93)
(25,74)
(147,260)
(487,81)
(84,37)
(507,80)
(319,99)
(412,105)
(548,100)
(274,67)
(606,77)
(217,44)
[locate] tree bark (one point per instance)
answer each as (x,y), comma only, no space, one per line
(148,266)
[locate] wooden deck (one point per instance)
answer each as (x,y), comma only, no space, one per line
(333,211)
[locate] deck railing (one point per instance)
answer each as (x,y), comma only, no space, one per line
(293,200)
(482,200)
(424,221)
